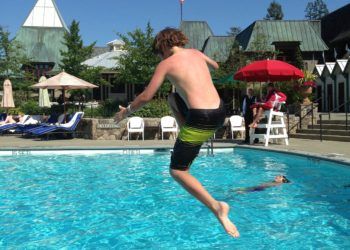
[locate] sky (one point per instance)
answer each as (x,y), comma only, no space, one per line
(101,20)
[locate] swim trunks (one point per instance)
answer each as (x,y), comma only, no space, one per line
(200,125)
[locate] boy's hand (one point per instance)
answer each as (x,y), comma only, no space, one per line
(121,115)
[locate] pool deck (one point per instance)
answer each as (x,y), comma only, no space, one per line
(338,151)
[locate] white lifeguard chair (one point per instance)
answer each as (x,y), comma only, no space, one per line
(275,126)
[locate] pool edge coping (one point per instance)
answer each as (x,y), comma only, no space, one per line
(330,157)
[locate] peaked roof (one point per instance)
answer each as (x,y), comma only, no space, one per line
(219,47)
(283,31)
(108,60)
(197,33)
(335,28)
(45,14)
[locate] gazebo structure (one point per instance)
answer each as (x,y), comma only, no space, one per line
(42,37)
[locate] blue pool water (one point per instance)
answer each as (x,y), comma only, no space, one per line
(109,201)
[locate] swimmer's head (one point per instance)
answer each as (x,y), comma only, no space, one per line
(281,179)
(166,39)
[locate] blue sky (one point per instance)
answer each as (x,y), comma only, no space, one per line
(100,20)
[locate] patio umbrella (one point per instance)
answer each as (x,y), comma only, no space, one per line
(64,81)
(44,100)
(7,98)
(268,71)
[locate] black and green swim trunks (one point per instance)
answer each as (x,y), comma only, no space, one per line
(200,125)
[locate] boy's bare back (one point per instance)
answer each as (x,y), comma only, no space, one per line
(188,70)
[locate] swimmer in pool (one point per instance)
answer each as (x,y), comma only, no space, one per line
(280,179)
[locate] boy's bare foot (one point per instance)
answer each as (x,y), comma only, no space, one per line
(222,215)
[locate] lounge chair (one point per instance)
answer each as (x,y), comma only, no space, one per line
(53,120)
(8,126)
(236,124)
(168,124)
(62,128)
(136,125)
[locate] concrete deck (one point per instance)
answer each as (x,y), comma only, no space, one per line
(338,151)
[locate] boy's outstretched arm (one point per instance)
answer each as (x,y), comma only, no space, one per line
(145,96)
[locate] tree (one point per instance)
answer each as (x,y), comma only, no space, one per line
(12,56)
(234,31)
(316,10)
(137,65)
(274,11)
(76,53)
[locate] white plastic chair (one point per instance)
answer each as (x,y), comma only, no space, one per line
(275,126)
(136,125)
(236,124)
(168,124)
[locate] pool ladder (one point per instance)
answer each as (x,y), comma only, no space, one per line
(210,147)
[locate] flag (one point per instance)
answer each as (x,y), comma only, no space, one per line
(335,54)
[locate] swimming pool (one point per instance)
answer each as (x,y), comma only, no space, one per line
(129,201)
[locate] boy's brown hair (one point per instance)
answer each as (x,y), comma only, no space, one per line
(168,38)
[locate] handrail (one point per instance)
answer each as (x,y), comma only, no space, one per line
(301,118)
(329,115)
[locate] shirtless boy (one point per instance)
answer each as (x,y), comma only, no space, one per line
(196,106)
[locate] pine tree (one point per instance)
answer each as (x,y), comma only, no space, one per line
(11,55)
(316,10)
(274,12)
(234,31)
(76,52)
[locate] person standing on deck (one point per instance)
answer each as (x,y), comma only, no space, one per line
(196,106)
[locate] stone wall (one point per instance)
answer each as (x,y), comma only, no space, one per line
(106,129)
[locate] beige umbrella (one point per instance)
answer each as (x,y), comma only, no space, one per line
(44,100)
(7,98)
(64,81)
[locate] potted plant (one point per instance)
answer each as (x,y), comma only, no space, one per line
(307,83)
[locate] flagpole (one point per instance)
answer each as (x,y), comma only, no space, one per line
(181,12)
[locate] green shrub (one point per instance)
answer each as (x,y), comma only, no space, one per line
(106,109)
(32,108)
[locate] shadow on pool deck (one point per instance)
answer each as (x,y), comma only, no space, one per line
(330,149)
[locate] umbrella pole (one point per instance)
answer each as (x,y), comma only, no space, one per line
(64,104)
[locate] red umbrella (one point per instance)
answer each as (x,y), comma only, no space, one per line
(268,71)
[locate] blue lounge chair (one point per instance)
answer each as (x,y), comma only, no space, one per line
(8,126)
(53,120)
(63,128)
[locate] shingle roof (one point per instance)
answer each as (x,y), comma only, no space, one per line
(219,47)
(99,50)
(108,60)
(197,32)
(283,31)
(42,44)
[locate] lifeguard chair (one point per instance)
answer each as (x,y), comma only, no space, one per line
(275,125)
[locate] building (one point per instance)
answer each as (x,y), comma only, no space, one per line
(286,37)
(202,38)
(333,83)
(336,33)
(108,58)
(42,36)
